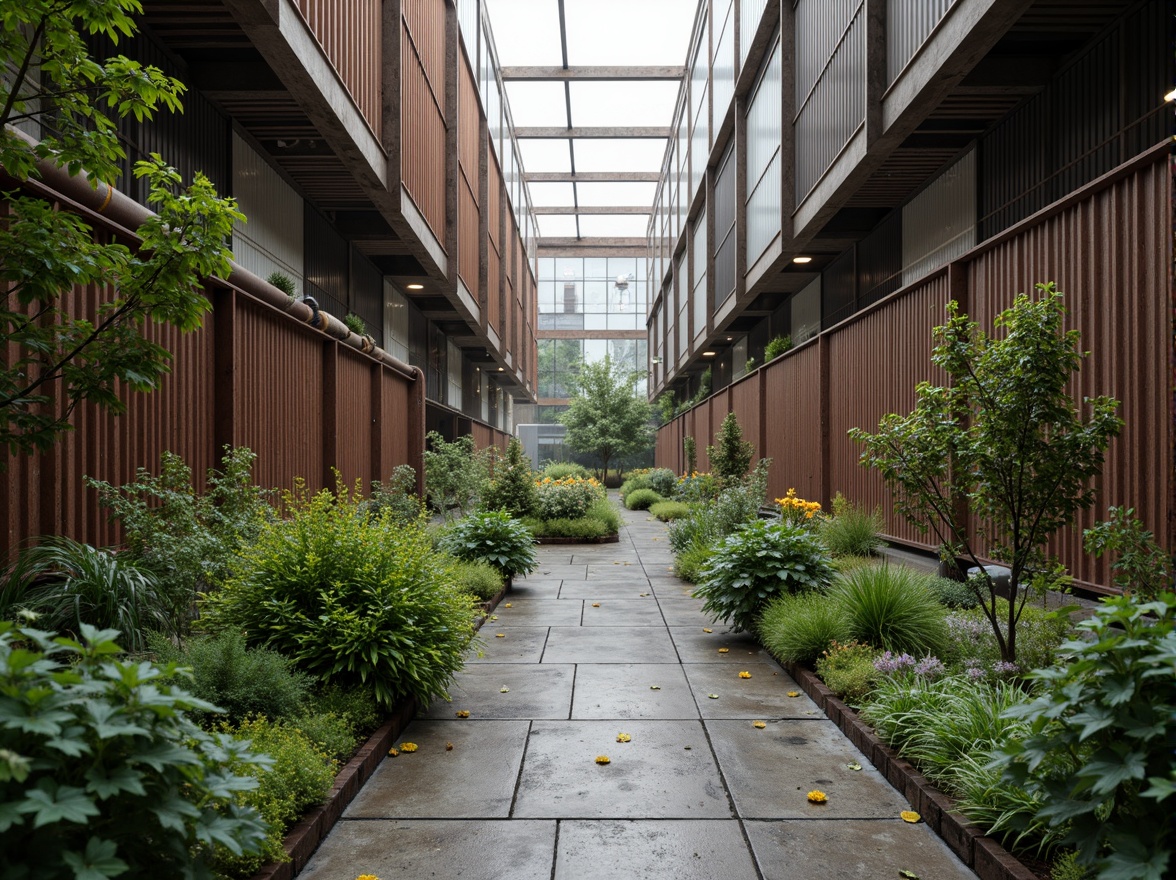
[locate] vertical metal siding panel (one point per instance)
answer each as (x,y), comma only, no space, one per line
(493,219)
(875,362)
(397,398)
(908,24)
(1110,255)
(272,239)
(725,239)
(792,422)
(326,262)
(349,35)
(750,14)
(939,224)
(468,209)
(764,133)
(744,396)
(355,418)
(423,130)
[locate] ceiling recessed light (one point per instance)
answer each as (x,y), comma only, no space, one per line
(500,369)
(415,286)
(708,354)
(802,260)
(1171,96)
(729,338)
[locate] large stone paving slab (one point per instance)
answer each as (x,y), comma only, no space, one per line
(764,695)
(653,850)
(622,612)
(520,611)
(471,850)
(609,644)
(770,772)
(597,588)
(833,850)
(519,644)
(533,690)
(682,611)
(626,691)
(564,571)
(654,776)
(474,780)
(696,646)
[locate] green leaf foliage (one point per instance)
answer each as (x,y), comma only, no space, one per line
(1006,437)
(1141,565)
(1101,736)
(454,472)
(492,537)
(513,487)
(350,598)
(397,495)
(477,578)
(117,780)
(606,417)
(756,564)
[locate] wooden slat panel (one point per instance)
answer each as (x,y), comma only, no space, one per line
(423,134)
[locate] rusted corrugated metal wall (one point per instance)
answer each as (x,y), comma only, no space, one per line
(468,207)
(422,110)
(1108,248)
(349,34)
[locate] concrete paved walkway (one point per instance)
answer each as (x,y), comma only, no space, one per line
(603,640)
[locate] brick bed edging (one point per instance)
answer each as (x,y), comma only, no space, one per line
(304,837)
(965,838)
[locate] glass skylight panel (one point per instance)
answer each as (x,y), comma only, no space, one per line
(545,194)
(556,226)
(545,154)
(612,154)
(609,194)
(622,102)
(612,225)
(526,32)
(627,32)
(536,103)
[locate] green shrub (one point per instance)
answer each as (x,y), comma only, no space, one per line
(724,515)
(846,564)
(952,594)
(332,734)
(242,681)
(1141,566)
(355,704)
(567,498)
(690,564)
(632,484)
(398,495)
(186,538)
(584,527)
(689,450)
(1067,867)
(454,472)
(349,598)
(776,347)
(66,584)
(641,499)
(300,777)
(852,530)
(800,627)
(561,470)
(513,486)
(668,511)
(731,455)
(478,578)
(663,481)
(603,511)
(757,563)
(695,487)
(890,607)
(1099,747)
(493,537)
(101,766)
(848,669)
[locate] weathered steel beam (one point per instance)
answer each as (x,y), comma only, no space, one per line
(595,209)
(592,177)
(593,73)
(603,131)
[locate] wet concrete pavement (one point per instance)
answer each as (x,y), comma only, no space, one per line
(603,640)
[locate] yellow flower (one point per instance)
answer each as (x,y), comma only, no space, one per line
(745,674)
(816,797)
(707,630)
(500,635)
(724,650)
(507,605)
(602,759)
(794,693)
(623,738)
(759,725)
(408,747)
(910,816)
(463,713)
(394,753)
(595,604)
(367,877)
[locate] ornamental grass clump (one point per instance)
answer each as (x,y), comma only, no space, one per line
(642,499)
(800,627)
(890,607)
(351,599)
(851,530)
(668,511)
(757,563)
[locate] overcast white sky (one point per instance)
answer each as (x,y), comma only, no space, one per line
(599,32)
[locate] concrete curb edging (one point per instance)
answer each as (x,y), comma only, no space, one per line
(304,837)
(965,838)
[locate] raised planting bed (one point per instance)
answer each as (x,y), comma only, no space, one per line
(304,838)
(965,838)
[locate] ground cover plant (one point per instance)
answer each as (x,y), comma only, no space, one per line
(600,520)
(478,578)
(1004,434)
(102,772)
(349,598)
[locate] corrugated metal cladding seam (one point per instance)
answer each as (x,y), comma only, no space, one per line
(355,419)
(1109,252)
(422,125)
(349,34)
(907,27)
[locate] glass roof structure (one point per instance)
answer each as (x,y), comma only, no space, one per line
(592,87)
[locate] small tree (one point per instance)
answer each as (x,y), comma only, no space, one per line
(55,352)
(731,455)
(454,472)
(606,417)
(690,450)
(1006,437)
(513,486)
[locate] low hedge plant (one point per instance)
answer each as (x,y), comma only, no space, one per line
(641,499)
(668,511)
(492,536)
(478,578)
